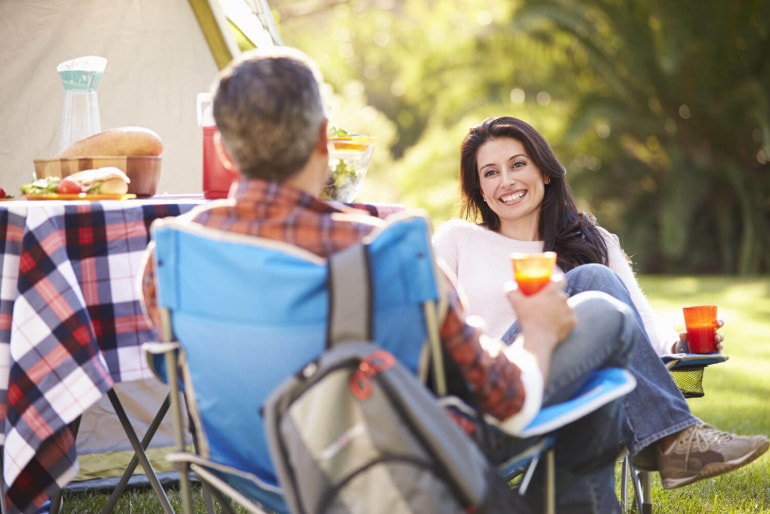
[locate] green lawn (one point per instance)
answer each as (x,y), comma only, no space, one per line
(737,398)
(737,393)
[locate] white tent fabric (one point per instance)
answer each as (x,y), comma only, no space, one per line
(157,62)
(103,448)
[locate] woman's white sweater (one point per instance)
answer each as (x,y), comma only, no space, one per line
(480,260)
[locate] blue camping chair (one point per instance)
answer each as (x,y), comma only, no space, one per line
(242,313)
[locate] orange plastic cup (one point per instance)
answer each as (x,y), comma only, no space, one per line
(701,325)
(532,271)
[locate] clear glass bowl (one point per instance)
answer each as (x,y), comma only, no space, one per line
(349,158)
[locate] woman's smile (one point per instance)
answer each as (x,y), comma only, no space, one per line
(512,198)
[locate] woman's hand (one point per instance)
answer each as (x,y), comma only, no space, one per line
(682,346)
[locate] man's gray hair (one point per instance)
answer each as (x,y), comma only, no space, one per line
(268,108)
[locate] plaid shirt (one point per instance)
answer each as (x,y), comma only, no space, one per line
(279,212)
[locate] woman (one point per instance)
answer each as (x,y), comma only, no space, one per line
(526,203)
(513,181)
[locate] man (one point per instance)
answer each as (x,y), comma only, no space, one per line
(270,115)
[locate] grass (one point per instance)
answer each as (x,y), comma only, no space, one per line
(736,399)
(736,393)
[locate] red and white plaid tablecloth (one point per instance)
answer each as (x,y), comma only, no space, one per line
(71,325)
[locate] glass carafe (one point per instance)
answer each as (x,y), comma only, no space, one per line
(80,78)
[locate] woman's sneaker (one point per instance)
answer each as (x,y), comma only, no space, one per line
(701,451)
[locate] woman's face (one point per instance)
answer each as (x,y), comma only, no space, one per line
(512,185)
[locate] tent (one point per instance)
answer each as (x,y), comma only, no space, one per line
(160,55)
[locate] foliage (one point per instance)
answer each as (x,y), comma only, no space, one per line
(659,110)
(680,100)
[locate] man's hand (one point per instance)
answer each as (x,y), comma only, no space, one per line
(545,317)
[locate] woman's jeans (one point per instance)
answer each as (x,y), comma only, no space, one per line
(609,333)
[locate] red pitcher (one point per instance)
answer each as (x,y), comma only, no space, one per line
(217,179)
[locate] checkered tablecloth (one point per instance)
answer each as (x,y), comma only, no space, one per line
(71,326)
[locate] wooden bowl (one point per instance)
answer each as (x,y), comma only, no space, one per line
(143,170)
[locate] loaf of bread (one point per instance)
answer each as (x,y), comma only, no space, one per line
(121,141)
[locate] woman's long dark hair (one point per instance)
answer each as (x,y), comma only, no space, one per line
(571,234)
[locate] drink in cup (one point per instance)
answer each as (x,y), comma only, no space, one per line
(701,325)
(532,271)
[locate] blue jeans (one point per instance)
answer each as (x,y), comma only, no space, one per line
(609,332)
(656,407)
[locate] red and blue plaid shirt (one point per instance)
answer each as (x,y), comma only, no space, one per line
(279,212)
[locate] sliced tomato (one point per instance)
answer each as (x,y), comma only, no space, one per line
(68,186)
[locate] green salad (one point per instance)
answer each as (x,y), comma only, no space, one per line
(41,186)
(349,157)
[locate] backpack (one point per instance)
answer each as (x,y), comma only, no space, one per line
(355,431)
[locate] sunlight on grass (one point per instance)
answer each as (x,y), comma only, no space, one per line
(736,393)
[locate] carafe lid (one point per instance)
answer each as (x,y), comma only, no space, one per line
(82,73)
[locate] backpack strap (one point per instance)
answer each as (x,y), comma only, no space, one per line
(350,307)
(350,296)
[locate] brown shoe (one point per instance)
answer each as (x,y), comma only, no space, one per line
(701,451)
(646,459)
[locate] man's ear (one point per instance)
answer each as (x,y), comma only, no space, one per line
(224,155)
(323,141)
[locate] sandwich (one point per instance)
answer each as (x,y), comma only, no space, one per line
(105,181)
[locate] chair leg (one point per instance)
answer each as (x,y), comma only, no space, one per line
(642,490)
(524,485)
(625,472)
(139,454)
(183,469)
(646,503)
(208,497)
(550,484)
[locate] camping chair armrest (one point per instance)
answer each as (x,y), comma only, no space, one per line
(157,348)
(604,386)
(692,360)
(155,353)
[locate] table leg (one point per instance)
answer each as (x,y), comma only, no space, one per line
(139,453)
(56,501)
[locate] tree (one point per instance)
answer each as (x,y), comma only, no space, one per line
(684,92)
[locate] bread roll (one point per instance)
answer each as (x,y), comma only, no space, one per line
(113,186)
(122,141)
(106,181)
